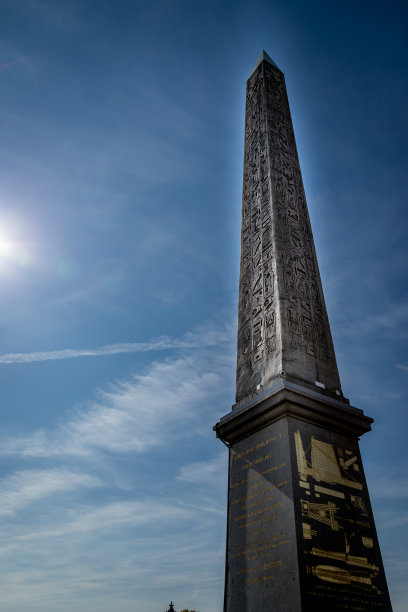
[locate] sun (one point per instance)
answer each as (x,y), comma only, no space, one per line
(13,251)
(7,247)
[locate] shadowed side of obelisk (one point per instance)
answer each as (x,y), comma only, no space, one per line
(301,535)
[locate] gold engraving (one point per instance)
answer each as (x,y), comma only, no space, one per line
(267,491)
(275,467)
(261,545)
(345,556)
(261,530)
(262,567)
(308,532)
(257,521)
(331,492)
(323,465)
(324,513)
(367,542)
(257,461)
(261,510)
(256,502)
(260,579)
(358,502)
(331,573)
(257,446)
(258,476)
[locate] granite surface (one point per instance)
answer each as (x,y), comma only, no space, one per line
(282,320)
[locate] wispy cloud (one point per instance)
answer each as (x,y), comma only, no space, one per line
(18,60)
(396,317)
(189,340)
(135,414)
(28,486)
(111,536)
(117,515)
(206,505)
(392,519)
(79,555)
(392,321)
(385,487)
(401,366)
(205,472)
(55,14)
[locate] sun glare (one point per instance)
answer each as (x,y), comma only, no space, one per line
(12,251)
(7,247)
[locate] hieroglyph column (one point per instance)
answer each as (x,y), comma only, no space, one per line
(282,320)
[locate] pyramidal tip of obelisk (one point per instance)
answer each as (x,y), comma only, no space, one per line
(264,56)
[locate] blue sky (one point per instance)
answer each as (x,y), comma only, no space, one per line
(120,192)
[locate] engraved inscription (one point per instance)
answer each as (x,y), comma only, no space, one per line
(259,498)
(279,274)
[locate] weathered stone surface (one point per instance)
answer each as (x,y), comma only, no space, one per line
(282,320)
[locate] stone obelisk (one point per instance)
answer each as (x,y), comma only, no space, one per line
(300,535)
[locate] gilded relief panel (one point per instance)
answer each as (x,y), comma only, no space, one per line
(341,563)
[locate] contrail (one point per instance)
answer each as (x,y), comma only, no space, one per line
(189,340)
(16,61)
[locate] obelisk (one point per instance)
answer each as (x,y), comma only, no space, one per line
(300,534)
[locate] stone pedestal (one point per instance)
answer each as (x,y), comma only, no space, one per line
(301,535)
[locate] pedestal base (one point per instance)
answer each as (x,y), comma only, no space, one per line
(301,534)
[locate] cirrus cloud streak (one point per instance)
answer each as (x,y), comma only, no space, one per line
(189,340)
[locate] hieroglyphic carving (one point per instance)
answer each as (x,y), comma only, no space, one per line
(257,304)
(279,280)
(300,294)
